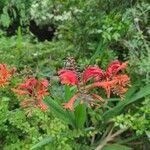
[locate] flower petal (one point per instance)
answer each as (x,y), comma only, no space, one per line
(20,92)
(32,81)
(25,86)
(112,68)
(115,67)
(92,72)
(4,72)
(45,83)
(69,105)
(68,77)
(105,85)
(42,105)
(122,66)
(97,97)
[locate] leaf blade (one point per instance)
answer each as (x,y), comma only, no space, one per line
(117,109)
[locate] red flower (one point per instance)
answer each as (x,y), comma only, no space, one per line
(5,74)
(122,79)
(119,88)
(110,81)
(68,77)
(20,92)
(71,78)
(92,72)
(69,105)
(115,67)
(35,90)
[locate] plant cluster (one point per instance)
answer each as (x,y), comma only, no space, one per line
(99,106)
(138,121)
(33,91)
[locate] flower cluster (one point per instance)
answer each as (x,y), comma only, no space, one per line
(5,74)
(112,81)
(34,92)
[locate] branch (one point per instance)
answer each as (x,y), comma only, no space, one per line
(110,138)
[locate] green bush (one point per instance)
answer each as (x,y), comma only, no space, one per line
(17,131)
(95,32)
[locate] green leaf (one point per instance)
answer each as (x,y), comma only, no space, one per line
(5,20)
(148,134)
(131,92)
(80,115)
(5,99)
(68,95)
(112,99)
(99,51)
(116,147)
(42,143)
(56,109)
(65,115)
(129,99)
(19,40)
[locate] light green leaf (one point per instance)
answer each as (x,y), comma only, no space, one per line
(42,143)
(116,147)
(148,134)
(5,20)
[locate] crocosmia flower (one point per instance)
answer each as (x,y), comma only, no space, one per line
(92,72)
(5,74)
(72,78)
(112,81)
(68,77)
(34,91)
(115,67)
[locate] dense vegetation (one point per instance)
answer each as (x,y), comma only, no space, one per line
(99,50)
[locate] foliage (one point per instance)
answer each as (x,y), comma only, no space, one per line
(15,11)
(33,55)
(95,32)
(48,12)
(137,41)
(20,132)
(138,121)
(94,26)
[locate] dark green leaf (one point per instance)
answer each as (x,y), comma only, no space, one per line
(57,109)
(135,97)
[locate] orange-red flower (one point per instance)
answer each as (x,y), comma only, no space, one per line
(92,72)
(106,85)
(69,105)
(110,81)
(71,78)
(121,82)
(5,74)
(68,77)
(34,91)
(113,81)
(115,67)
